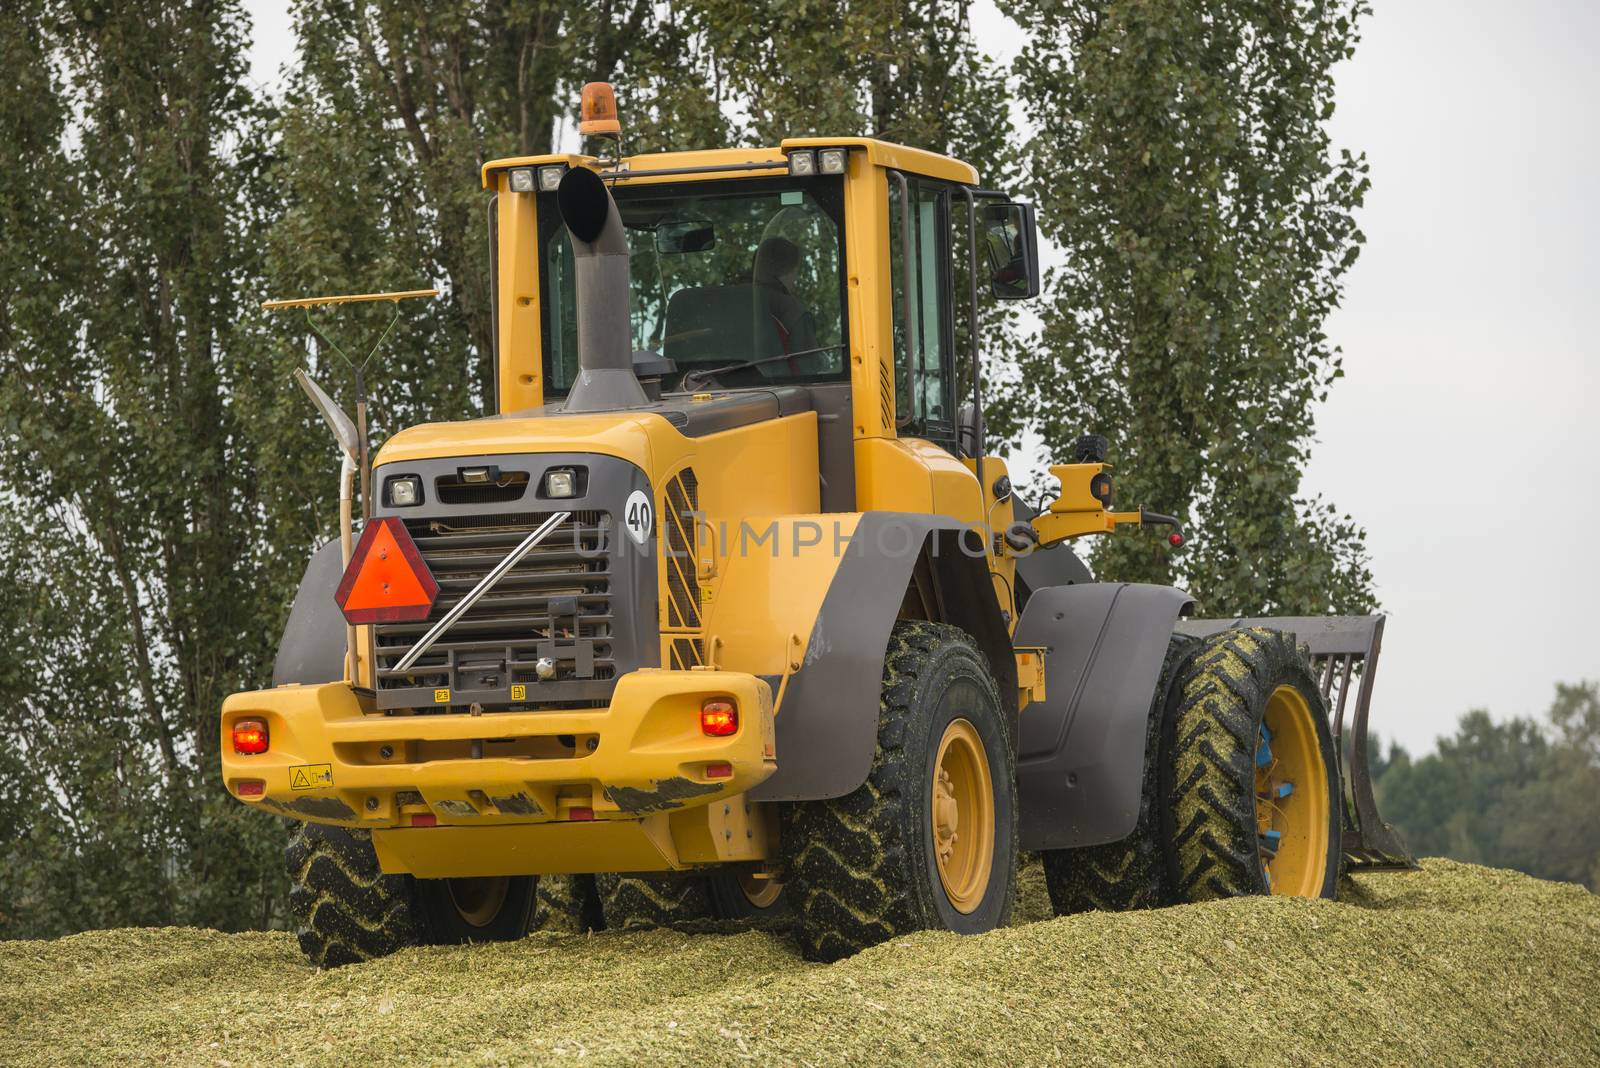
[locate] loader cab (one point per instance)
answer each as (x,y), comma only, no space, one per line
(876,323)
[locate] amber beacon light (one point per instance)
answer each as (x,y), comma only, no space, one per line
(598,114)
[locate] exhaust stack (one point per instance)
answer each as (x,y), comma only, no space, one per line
(605,337)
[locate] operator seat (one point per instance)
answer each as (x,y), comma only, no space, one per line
(715,325)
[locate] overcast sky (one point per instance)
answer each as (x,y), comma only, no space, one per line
(1462,436)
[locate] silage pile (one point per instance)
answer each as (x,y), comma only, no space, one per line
(1452,964)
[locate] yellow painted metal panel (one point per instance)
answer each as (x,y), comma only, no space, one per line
(610,434)
(520,369)
(892,477)
(878,154)
(774,572)
(528,849)
(900,157)
(998,515)
(866,205)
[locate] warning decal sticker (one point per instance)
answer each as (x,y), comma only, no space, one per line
(310,776)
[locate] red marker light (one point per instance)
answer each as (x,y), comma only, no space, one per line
(719,718)
(1175,539)
(251,788)
(720,770)
(250,737)
(424,819)
(580,813)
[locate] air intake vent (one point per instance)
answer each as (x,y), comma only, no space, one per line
(678,509)
(508,486)
(680,505)
(886,394)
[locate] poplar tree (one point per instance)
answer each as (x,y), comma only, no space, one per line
(1181,163)
(138,592)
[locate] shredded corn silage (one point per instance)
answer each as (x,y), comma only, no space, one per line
(1452,964)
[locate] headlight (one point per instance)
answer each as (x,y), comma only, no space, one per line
(562,482)
(803,162)
(831,160)
(403,491)
(522,179)
(550,178)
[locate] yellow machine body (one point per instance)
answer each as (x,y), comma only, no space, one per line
(625,787)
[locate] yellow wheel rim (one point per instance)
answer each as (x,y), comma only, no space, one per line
(478,901)
(1291,797)
(963,816)
(761,893)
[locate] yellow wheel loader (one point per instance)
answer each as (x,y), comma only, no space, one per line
(727,607)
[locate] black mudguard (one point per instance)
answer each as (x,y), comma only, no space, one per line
(1080,759)
(827,724)
(312,650)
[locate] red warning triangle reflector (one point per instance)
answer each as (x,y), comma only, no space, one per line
(387,580)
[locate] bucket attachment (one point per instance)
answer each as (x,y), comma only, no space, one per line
(1344,656)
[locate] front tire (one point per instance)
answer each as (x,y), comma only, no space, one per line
(1252,779)
(930,839)
(1131,873)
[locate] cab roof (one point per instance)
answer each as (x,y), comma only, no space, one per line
(725,161)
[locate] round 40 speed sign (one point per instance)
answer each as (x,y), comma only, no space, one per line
(638,518)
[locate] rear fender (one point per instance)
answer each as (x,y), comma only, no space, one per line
(313,645)
(1081,751)
(827,722)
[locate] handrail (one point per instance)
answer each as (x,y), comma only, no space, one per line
(350,298)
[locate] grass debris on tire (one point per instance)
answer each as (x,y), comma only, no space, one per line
(633,901)
(1130,873)
(718,900)
(930,839)
(568,904)
(1251,781)
(347,910)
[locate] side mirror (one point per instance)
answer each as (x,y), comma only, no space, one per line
(1011,241)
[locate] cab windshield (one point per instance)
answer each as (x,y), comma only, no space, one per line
(723,273)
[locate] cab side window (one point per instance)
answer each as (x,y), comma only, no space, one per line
(924,402)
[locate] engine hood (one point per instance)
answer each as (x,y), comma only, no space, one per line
(629,436)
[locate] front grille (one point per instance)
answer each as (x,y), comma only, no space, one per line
(556,603)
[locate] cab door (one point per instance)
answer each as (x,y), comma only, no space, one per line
(922,310)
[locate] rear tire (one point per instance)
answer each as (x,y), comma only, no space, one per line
(690,902)
(569,904)
(889,858)
(1227,832)
(348,910)
(478,910)
(631,902)
(749,901)
(1131,873)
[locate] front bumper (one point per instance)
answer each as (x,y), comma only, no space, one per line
(333,758)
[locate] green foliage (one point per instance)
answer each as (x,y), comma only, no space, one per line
(1182,166)
(1519,794)
(138,594)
